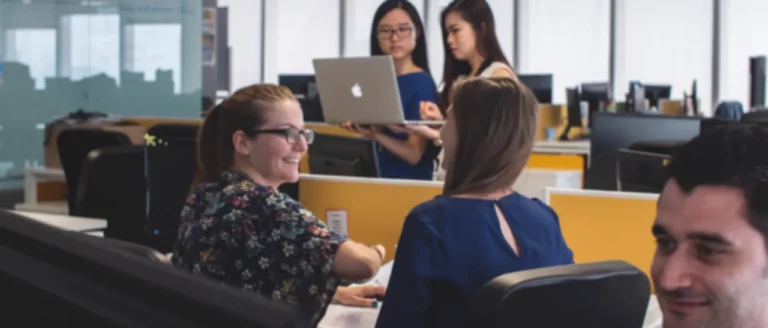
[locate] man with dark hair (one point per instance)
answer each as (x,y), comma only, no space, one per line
(711,264)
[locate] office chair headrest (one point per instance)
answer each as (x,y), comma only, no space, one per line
(757,115)
(602,294)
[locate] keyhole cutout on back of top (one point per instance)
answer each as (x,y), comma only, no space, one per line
(506,231)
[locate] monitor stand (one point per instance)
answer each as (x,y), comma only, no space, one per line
(564,136)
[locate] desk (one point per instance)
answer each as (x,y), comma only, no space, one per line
(66,222)
(580,147)
(32,177)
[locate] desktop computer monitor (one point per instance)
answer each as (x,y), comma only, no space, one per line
(68,279)
(574,106)
(340,155)
(613,131)
(638,171)
(304,87)
(655,93)
(574,111)
(540,85)
(596,95)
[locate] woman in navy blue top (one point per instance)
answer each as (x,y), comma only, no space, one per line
(479,228)
(398,31)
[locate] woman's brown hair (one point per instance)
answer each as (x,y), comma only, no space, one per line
(245,111)
(495,120)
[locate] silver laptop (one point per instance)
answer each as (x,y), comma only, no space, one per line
(360,90)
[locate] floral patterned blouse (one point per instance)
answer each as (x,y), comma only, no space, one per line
(256,238)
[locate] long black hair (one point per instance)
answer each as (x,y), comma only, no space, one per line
(478,14)
(419,54)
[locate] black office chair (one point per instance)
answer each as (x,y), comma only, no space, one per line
(757,115)
(665,147)
(74,145)
(170,167)
(596,295)
(124,246)
(638,171)
(112,187)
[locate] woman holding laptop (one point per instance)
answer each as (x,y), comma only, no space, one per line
(398,31)
(471,49)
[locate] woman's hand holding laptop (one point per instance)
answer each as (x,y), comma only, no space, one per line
(366,131)
(430,111)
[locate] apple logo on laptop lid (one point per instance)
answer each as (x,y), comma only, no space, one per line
(357,91)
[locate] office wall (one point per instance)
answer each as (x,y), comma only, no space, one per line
(297,32)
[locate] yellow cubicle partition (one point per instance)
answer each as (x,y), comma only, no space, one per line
(606,225)
(598,225)
(375,208)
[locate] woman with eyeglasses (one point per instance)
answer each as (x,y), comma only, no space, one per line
(397,31)
(471,49)
(237,228)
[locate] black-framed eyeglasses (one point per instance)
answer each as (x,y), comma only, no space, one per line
(292,135)
(402,32)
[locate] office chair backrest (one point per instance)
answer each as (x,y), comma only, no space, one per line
(729,111)
(171,162)
(596,295)
(757,115)
(639,171)
(124,246)
(74,145)
(112,187)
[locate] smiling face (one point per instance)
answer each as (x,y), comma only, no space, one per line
(462,39)
(396,34)
(710,265)
(270,158)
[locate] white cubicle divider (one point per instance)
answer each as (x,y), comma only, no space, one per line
(534,182)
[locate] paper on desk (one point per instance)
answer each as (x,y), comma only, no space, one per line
(339,316)
(382,277)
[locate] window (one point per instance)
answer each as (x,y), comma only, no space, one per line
(299,31)
(358,20)
(92,46)
(503,14)
(568,39)
(744,35)
(153,47)
(665,42)
(35,48)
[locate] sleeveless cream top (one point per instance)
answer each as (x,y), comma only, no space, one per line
(439,174)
